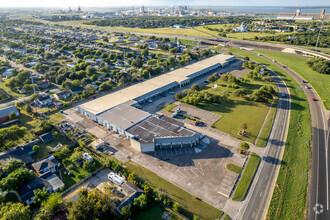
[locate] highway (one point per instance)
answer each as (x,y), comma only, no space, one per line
(262,187)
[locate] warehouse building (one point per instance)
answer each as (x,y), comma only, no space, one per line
(117,111)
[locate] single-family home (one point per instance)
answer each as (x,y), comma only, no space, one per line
(62,95)
(134,38)
(43,101)
(5,112)
(88,157)
(7,73)
(42,84)
(131,191)
(76,90)
(48,164)
(48,180)
(47,137)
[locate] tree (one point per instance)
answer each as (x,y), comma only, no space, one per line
(178,96)
(137,63)
(91,205)
(28,108)
(12,164)
(141,202)
(246,58)
(145,52)
(244,146)
(211,78)
(126,211)
(36,148)
(87,165)
(51,206)
(130,177)
(176,207)
(12,116)
(16,178)
(105,87)
(195,87)
(12,211)
(40,195)
(244,126)
(173,51)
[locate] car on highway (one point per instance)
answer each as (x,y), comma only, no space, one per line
(47,91)
(306,87)
(313,99)
(304,81)
(283,94)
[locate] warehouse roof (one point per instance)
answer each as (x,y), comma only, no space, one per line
(141,89)
(124,115)
(158,127)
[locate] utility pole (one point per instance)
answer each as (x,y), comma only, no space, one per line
(318,36)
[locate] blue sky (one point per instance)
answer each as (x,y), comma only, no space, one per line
(116,3)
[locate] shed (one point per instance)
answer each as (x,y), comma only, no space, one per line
(97,144)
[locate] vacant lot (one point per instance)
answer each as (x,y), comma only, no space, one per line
(237,110)
(320,82)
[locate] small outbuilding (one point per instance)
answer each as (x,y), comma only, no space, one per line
(97,144)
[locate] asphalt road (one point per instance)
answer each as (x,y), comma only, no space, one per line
(261,189)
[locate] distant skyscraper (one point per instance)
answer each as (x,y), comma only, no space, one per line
(142,9)
(70,10)
(79,9)
(298,12)
(322,15)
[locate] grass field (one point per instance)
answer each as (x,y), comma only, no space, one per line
(169,106)
(320,82)
(226,217)
(289,197)
(246,178)
(191,204)
(237,110)
(11,92)
(154,211)
(264,134)
(3,95)
(234,168)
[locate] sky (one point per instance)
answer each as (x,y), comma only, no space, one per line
(116,3)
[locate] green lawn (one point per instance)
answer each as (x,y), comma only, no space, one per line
(289,197)
(247,177)
(320,82)
(234,168)
(191,204)
(226,217)
(264,134)
(169,106)
(154,211)
(237,110)
(11,92)
(3,96)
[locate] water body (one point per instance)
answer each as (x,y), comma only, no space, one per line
(265,9)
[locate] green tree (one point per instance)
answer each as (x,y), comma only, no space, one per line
(16,178)
(28,108)
(244,146)
(130,177)
(36,148)
(12,164)
(195,87)
(40,195)
(177,207)
(141,202)
(145,52)
(178,96)
(126,211)
(12,116)
(211,78)
(51,206)
(13,211)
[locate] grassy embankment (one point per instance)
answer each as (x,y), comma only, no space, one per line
(234,168)
(246,178)
(289,197)
(320,82)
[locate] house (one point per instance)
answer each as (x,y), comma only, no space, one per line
(62,95)
(42,84)
(48,180)
(7,73)
(88,157)
(76,90)
(131,191)
(43,166)
(45,138)
(5,112)
(22,153)
(134,38)
(43,101)
(97,144)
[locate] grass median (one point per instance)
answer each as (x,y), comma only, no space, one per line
(289,197)
(191,204)
(234,168)
(247,177)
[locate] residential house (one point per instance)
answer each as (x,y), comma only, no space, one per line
(62,95)
(131,191)
(134,38)
(42,84)
(43,101)
(48,164)
(88,157)
(5,112)
(97,144)
(48,180)
(45,138)
(76,90)
(7,73)
(22,153)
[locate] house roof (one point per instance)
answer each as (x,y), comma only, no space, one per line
(48,180)
(46,163)
(43,98)
(6,111)
(76,89)
(22,153)
(45,138)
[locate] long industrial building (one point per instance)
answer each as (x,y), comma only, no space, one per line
(117,110)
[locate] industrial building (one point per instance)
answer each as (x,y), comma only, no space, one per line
(117,111)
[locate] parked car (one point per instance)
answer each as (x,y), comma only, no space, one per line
(306,87)
(313,99)
(283,94)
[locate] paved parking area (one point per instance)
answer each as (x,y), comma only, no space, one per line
(207,117)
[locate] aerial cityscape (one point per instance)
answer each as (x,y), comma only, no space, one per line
(171,110)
